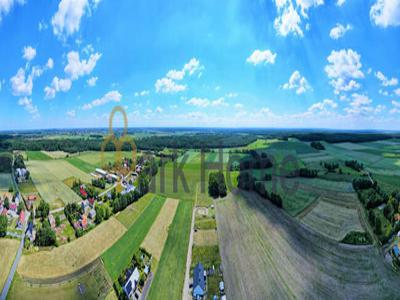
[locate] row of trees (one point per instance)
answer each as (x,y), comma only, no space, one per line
(275,198)
(317,145)
(355,165)
(331,166)
(100,183)
(3,225)
(308,173)
(5,162)
(216,184)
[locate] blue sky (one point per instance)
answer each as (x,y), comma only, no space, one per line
(237,63)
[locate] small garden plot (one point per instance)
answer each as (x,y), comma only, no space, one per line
(156,237)
(207,237)
(135,274)
(69,258)
(333,221)
(205,218)
(8,250)
(5,181)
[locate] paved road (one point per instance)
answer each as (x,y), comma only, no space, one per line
(10,277)
(146,287)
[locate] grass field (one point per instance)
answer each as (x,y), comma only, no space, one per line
(69,258)
(158,233)
(81,164)
(268,255)
(48,178)
(169,278)
(37,155)
(8,250)
(94,157)
(207,237)
(333,221)
(129,215)
(117,257)
(96,282)
(5,181)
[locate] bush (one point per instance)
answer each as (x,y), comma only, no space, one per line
(317,145)
(357,238)
(3,226)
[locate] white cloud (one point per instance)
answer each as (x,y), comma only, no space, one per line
(298,82)
(340,2)
(204,102)
(167,85)
(28,106)
(360,100)
(50,63)
(259,56)
(362,105)
(322,106)
(396,107)
(344,66)
(159,109)
(397,92)
(238,106)
(96,3)
(42,25)
(7,5)
(385,13)
(76,67)
(29,53)
(386,81)
(57,85)
(20,85)
(114,96)
(92,81)
(201,102)
(231,95)
(71,113)
(142,93)
(339,31)
(289,16)
(67,19)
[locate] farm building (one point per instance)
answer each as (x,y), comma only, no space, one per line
(52,221)
(92,214)
(101,172)
(130,286)
(199,282)
(30,200)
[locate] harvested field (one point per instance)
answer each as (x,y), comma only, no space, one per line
(156,237)
(333,221)
(8,250)
(48,178)
(64,260)
(268,255)
(56,154)
(129,215)
(95,281)
(205,237)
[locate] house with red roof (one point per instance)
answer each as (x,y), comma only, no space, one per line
(21,219)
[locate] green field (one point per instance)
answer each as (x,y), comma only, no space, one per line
(169,278)
(117,257)
(5,181)
(81,164)
(37,155)
(129,215)
(94,158)
(48,177)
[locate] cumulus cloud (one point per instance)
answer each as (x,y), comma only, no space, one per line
(340,2)
(289,16)
(21,84)
(238,105)
(323,106)
(385,13)
(339,31)
(142,93)
(386,81)
(77,68)
(27,104)
(67,19)
(343,68)
(168,83)
(57,85)
(50,63)
(362,105)
(71,113)
(205,102)
(92,81)
(112,96)
(7,5)
(159,109)
(397,92)
(29,53)
(262,56)
(298,82)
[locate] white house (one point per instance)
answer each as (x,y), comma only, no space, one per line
(130,286)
